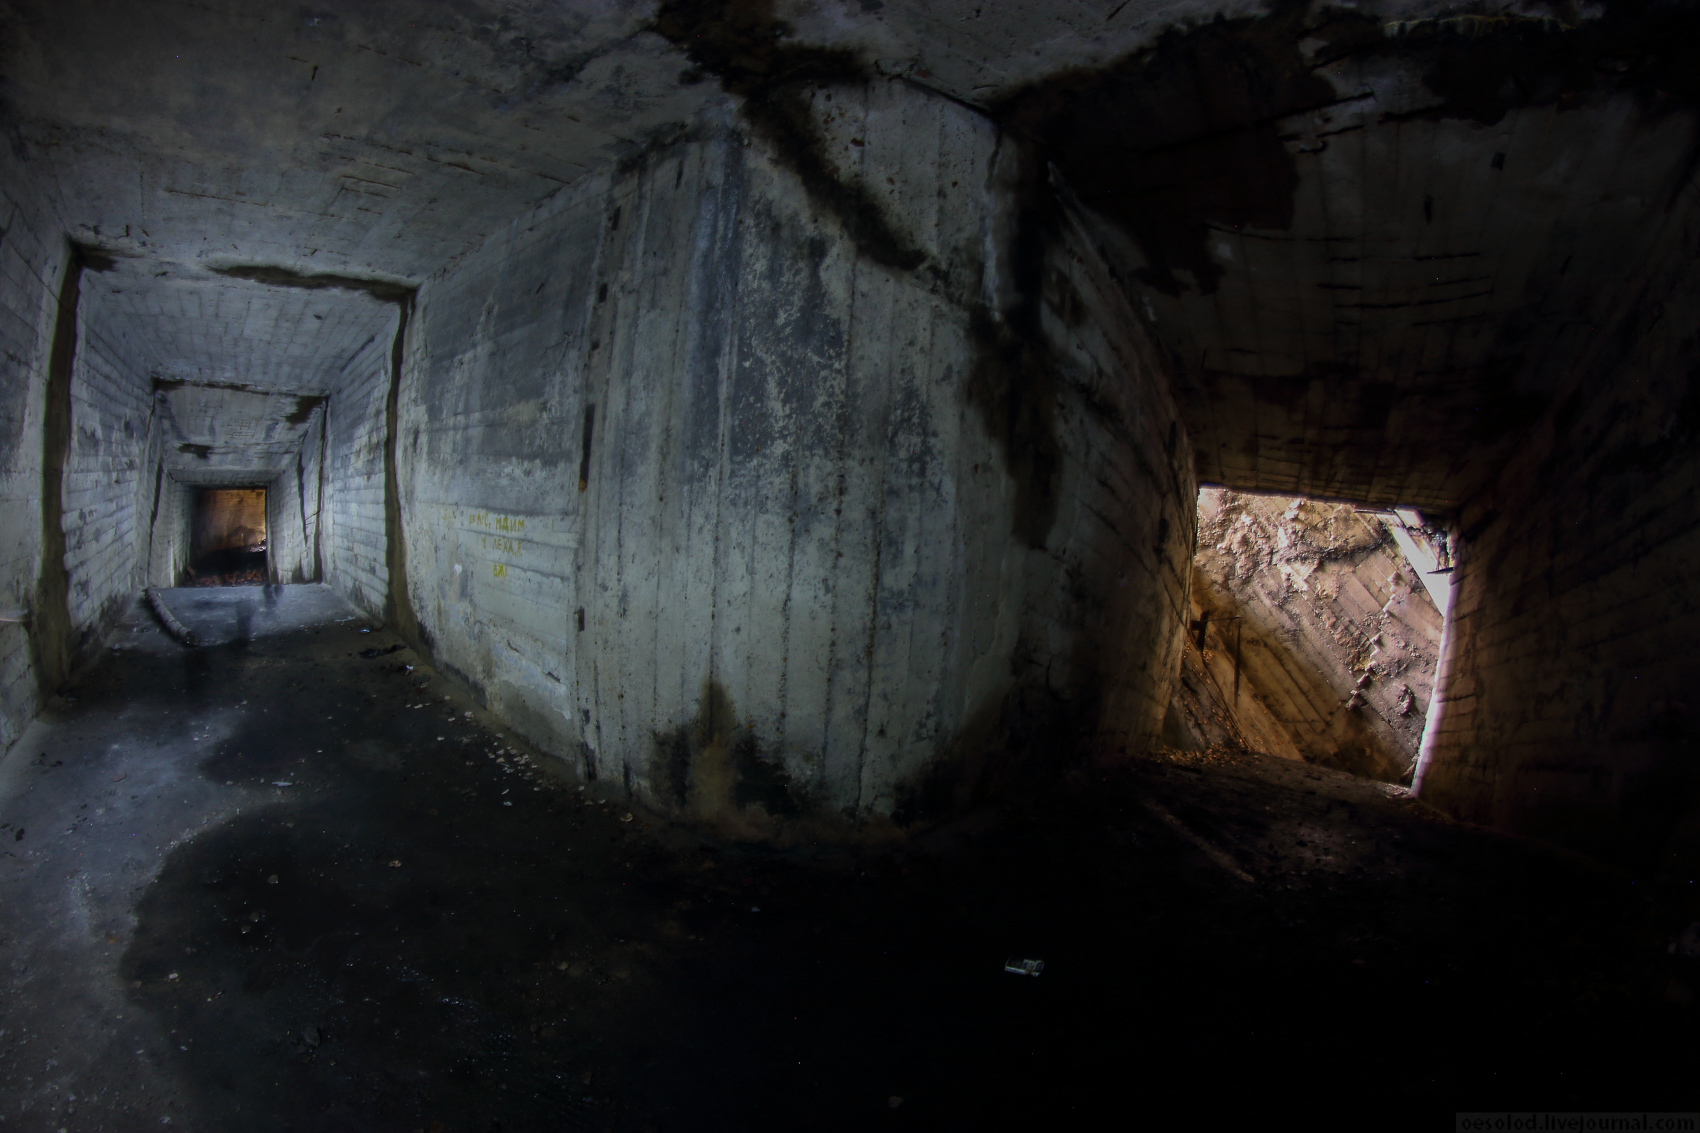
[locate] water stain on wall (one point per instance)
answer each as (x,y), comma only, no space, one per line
(743,44)
(713,768)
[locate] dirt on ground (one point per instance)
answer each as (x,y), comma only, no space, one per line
(279,884)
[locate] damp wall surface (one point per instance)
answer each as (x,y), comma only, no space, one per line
(1338,639)
(33,260)
(171,512)
(228,519)
(353,553)
(78,434)
(107,492)
(292,509)
(1569,709)
(763,493)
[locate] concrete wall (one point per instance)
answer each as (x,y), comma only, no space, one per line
(171,512)
(352,536)
(1570,709)
(107,437)
(33,258)
(292,506)
(882,495)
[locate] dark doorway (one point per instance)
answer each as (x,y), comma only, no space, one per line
(227,538)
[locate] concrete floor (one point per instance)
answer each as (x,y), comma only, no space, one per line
(272,884)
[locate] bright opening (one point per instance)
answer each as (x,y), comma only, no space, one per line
(1314,633)
(227,542)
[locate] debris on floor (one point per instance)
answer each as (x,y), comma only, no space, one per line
(526,941)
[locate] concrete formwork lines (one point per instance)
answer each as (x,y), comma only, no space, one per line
(592,587)
(712,333)
(917,605)
(947,548)
(795,544)
(31,261)
(684,583)
(677,665)
(866,541)
(1542,144)
(1450,176)
(645,433)
(736,187)
(1593,207)
(819,435)
(842,726)
(619,429)
(1335,184)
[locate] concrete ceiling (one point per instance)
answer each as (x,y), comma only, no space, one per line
(234,436)
(191,326)
(387,137)
(1374,246)
(1377,252)
(240,368)
(362,138)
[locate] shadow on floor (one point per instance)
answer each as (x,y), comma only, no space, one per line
(412,926)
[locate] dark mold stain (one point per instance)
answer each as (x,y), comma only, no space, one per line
(386,290)
(1015,376)
(584,456)
(1185,135)
(1013,385)
(96,259)
(1023,741)
(1483,67)
(644,151)
(304,406)
(761,782)
(398,603)
(673,765)
(714,764)
(1676,432)
(743,44)
(1501,409)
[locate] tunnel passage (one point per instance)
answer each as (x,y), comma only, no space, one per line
(227,541)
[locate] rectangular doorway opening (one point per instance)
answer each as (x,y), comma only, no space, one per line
(227,540)
(1314,632)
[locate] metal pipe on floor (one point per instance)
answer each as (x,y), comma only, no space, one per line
(172,626)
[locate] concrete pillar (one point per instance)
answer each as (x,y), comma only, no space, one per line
(767,485)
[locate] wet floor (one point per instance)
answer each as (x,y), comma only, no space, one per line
(274,884)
